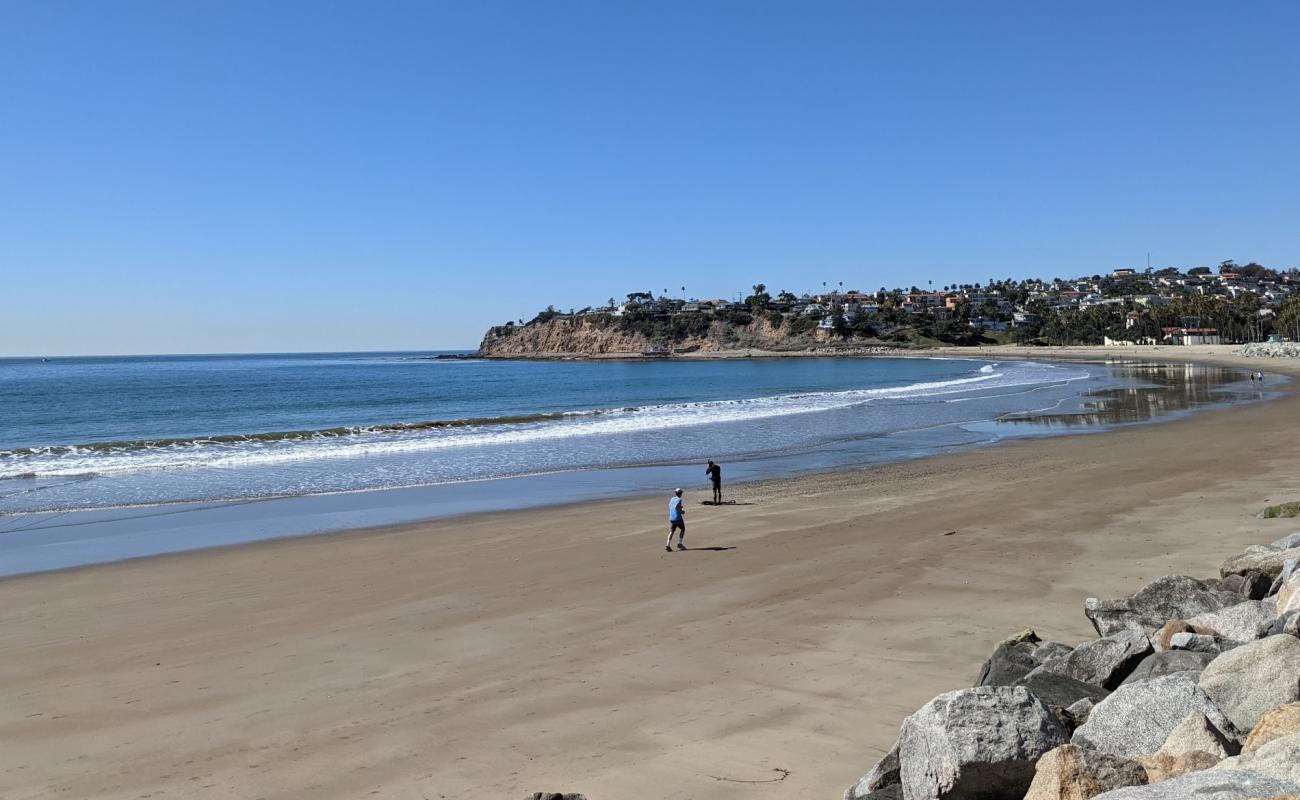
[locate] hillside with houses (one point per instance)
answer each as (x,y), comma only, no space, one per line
(1228,304)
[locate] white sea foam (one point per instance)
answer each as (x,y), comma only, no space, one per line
(225,455)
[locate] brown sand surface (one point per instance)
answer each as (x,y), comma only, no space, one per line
(564,650)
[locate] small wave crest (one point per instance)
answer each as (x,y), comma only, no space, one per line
(282,436)
(233,451)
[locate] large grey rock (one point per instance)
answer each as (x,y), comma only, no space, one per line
(1137,718)
(1107,661)
(1268,561)
(1197,734)
(1073,773)
(1200,643)
(1289,568)
(1079,710)
(1288,623)
(974,744)
(1169,662)
(1010,662)
(881,783)
(1288,595)
(1170,597)
(1243,622)
(1251,586)
(1279,758)
(1059,690)
(1048,651)
(1211,784)
(1288,542)
(1250,680)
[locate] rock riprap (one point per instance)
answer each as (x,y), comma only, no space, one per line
(1212,784)
(1271,350)
(1059,690)
(1137,718)
(1279,758)
(1170,597)
(1248,681)
(1266,560)
(1169,662)
(1243,622)
(881,783)
(976,743)
(1072,773)
(1107,661)
(1191,690)
(1281,721)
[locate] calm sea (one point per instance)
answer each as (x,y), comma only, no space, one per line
(84,433)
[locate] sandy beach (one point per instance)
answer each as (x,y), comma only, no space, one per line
(563,649)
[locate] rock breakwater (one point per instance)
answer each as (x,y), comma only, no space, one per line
(1192,689)
(1272,350)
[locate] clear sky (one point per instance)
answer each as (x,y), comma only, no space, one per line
(223,176)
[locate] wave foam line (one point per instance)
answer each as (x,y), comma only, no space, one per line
(404,438)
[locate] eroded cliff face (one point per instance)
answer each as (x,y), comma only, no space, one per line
(561,337)
(577,336)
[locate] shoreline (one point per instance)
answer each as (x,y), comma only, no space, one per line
(46,541)
(562,649)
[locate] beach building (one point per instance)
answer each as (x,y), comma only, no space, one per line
(1191,336)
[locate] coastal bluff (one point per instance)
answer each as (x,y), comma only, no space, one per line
(594,336)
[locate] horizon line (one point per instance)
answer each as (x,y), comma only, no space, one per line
(242,353)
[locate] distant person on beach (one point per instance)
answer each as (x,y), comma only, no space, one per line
(1259,376)
(676,522)
(715,477)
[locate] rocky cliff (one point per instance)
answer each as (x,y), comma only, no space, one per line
(592,335)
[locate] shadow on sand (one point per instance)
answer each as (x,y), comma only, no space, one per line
(723,503)
(710,549)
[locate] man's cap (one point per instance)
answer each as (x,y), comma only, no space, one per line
(677,491)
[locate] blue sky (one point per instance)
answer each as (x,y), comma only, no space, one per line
(224,176)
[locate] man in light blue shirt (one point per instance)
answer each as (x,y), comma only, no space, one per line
(676,522)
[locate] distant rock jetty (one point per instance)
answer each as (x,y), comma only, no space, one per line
(1272,350)
(1191,690)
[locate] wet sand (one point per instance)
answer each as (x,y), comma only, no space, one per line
(562,649)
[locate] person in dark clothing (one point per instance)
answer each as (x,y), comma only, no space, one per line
(715,477)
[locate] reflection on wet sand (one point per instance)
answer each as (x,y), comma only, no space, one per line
(1157,389)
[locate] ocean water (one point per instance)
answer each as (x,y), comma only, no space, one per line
(107,458)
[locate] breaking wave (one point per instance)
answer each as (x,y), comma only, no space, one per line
(441,436)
